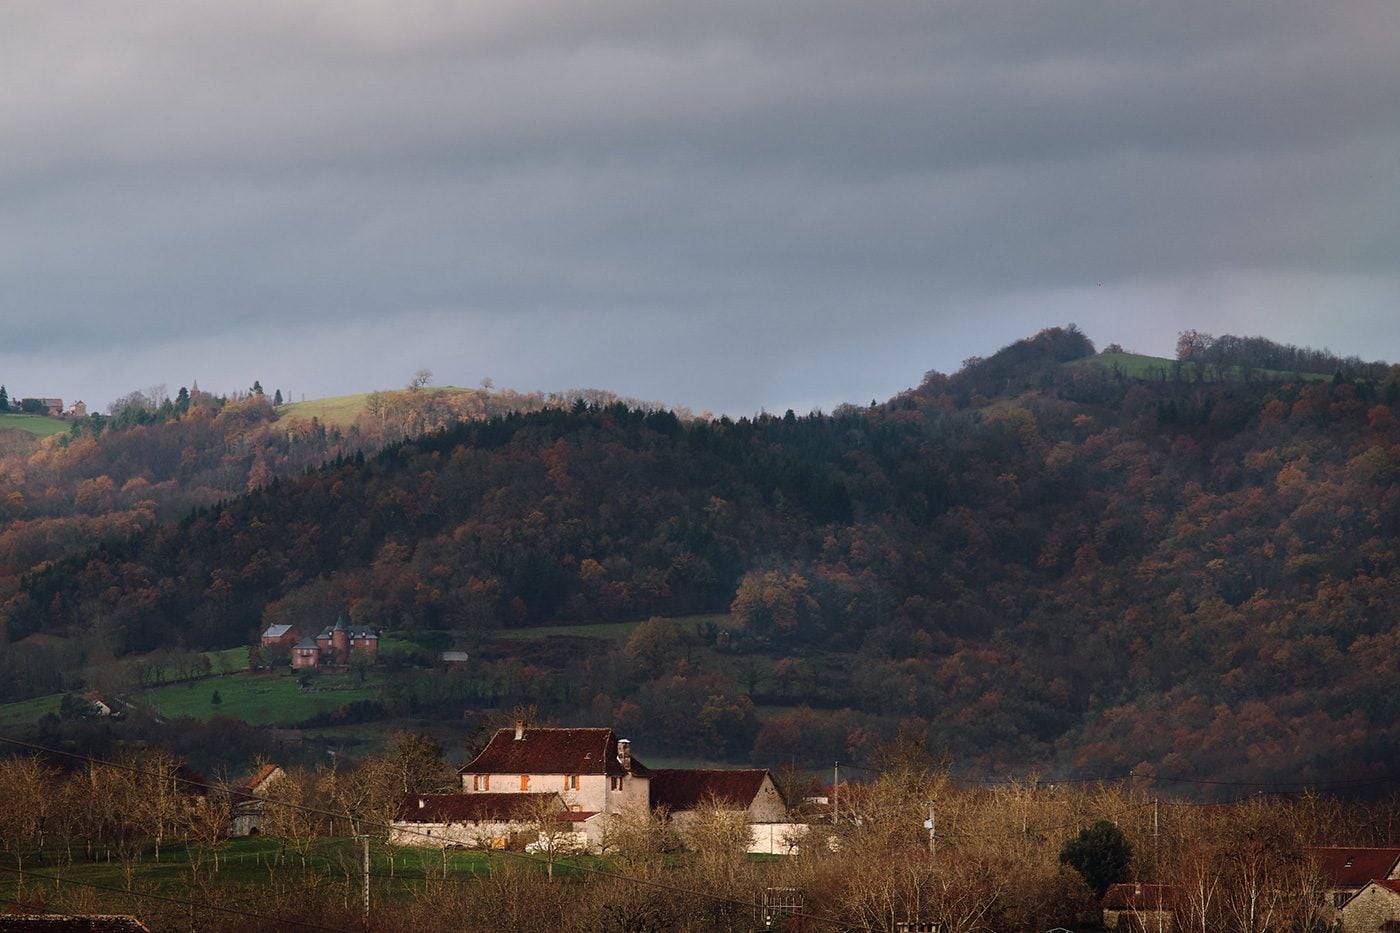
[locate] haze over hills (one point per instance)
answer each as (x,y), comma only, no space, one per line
(1050,559)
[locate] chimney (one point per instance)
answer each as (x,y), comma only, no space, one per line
(624,754)
(519,730)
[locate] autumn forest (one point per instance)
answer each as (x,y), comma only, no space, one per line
(1047,562)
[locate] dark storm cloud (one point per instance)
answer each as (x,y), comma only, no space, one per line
(727,205)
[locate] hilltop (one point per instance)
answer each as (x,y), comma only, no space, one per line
(343,411)
(1035,561)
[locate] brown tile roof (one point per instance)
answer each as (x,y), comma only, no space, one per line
(254,780)
(464,808)
(1352,867)
(1390,884)
(551,751)
(686,788)
(1135,896)
(77,923)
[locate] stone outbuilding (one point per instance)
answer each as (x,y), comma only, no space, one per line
(486,821)
(1133,907)
(1375,908)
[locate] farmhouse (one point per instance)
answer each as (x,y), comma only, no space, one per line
(595,776)
(1345,871)
(592,768)
(334,646)
(249,799)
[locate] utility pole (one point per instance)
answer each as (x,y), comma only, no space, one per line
(835,790)
(365,837)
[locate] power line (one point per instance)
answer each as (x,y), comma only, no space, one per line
(175,778)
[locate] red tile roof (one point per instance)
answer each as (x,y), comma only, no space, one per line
(1390,884)
(1135,896)
(685,789)
(551,751)
(464,808)
(1353,867)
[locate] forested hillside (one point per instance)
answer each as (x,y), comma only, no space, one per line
(1035,562)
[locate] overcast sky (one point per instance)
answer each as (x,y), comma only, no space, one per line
(724,205)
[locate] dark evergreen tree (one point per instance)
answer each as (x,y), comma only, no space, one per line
(1100,853)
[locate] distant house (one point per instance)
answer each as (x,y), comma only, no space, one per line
(100,705)
(1135,906)
(78,410)
(306,654)
(1346,870)
(276,635)
(455,660)
(53,407)
(249,799)
(1375,908)
(334,646)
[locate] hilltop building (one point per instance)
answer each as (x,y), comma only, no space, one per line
(53,407)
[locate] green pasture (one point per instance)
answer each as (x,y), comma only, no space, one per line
(259,698)
(38,425)
(1156,368)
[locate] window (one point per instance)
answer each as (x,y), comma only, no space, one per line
(486,782)
(615,783)
(524,783)
(476,782)
(575,782)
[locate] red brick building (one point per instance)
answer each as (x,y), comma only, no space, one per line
(334,646)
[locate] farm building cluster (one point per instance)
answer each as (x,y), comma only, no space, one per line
(585,778)
(333,646)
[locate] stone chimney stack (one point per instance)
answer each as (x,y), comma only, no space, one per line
(519,730)
(624,754)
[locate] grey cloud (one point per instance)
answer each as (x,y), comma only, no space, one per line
(698,183)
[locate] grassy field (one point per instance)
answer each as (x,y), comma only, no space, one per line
(1155,368)
(258,699)
(25,712)
(40,425)
(247,863)
(341,410)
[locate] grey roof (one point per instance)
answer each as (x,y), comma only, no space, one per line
(307,643)
(276,631)
(455,656)
(327,632)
